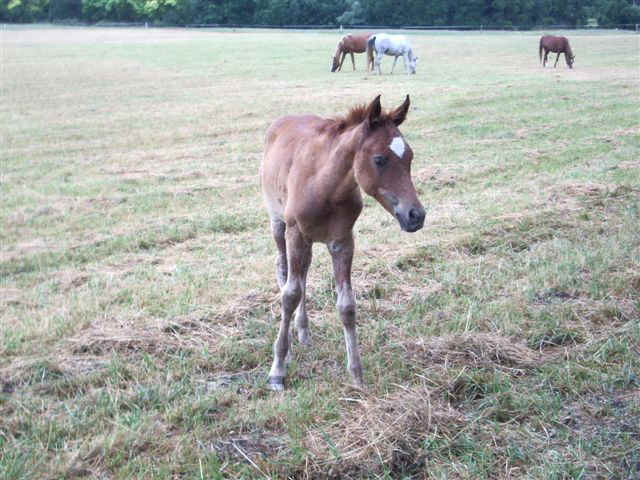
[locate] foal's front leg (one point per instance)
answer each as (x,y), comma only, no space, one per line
(342,256)
(298,259)
(557,57)
(353,61)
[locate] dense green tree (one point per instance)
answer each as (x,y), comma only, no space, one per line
(617,12)
(354,14)
(24,10)
(490,13)
(272,12)
(64,9)
(113,10)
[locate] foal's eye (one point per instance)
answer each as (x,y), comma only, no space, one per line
(380,160)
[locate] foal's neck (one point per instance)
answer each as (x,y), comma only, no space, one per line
(338,174)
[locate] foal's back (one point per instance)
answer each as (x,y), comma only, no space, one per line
(292,144)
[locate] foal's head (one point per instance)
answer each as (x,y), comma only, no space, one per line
(383,165)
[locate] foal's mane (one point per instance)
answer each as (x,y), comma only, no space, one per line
(356,116)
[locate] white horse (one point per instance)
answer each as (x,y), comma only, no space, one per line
(394,45)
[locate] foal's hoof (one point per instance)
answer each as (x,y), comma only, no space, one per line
(276,383)
(304,337)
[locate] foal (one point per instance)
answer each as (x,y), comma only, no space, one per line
(550,43)
(312,175)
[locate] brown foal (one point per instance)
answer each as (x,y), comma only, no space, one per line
(312,175)
(350,44)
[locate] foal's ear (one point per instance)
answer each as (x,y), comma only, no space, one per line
(374,110)
(400,113)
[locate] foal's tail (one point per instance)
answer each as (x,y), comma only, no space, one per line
(370,47)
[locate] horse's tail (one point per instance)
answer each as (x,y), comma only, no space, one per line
(540,50)
(371,42)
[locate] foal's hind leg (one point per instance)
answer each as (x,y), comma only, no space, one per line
(544,62)
(298,260)
(342,256)
(302,321)
(353,61)
(278,228)
(557,57)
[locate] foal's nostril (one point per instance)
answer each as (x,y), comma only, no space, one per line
(414,214)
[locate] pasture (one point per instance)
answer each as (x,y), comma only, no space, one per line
(138,298)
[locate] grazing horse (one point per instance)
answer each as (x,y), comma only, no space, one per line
(394,45)
(550,43)
(349,44)
(312,175)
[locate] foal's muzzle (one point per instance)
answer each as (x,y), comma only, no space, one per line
(411,220)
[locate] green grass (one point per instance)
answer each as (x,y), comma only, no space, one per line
(138,300)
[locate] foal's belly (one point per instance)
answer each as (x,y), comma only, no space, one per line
(324,222)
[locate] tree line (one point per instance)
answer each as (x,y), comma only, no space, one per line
(473,13)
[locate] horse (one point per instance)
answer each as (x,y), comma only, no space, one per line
(349,44)
(312,174)
(394,45)
(550,43)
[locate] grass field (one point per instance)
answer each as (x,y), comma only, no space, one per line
(138,299)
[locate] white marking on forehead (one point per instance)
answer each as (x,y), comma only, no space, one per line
(397,146)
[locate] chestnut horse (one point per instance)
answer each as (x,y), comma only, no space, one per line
(349,44)
(312,173)
(550,43)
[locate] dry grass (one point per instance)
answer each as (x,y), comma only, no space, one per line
(138,299)
(381,434)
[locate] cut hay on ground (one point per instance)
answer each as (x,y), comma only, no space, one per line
(474,349)
(381,434)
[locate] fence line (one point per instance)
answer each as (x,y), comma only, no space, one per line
(621,26)
(482,27)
